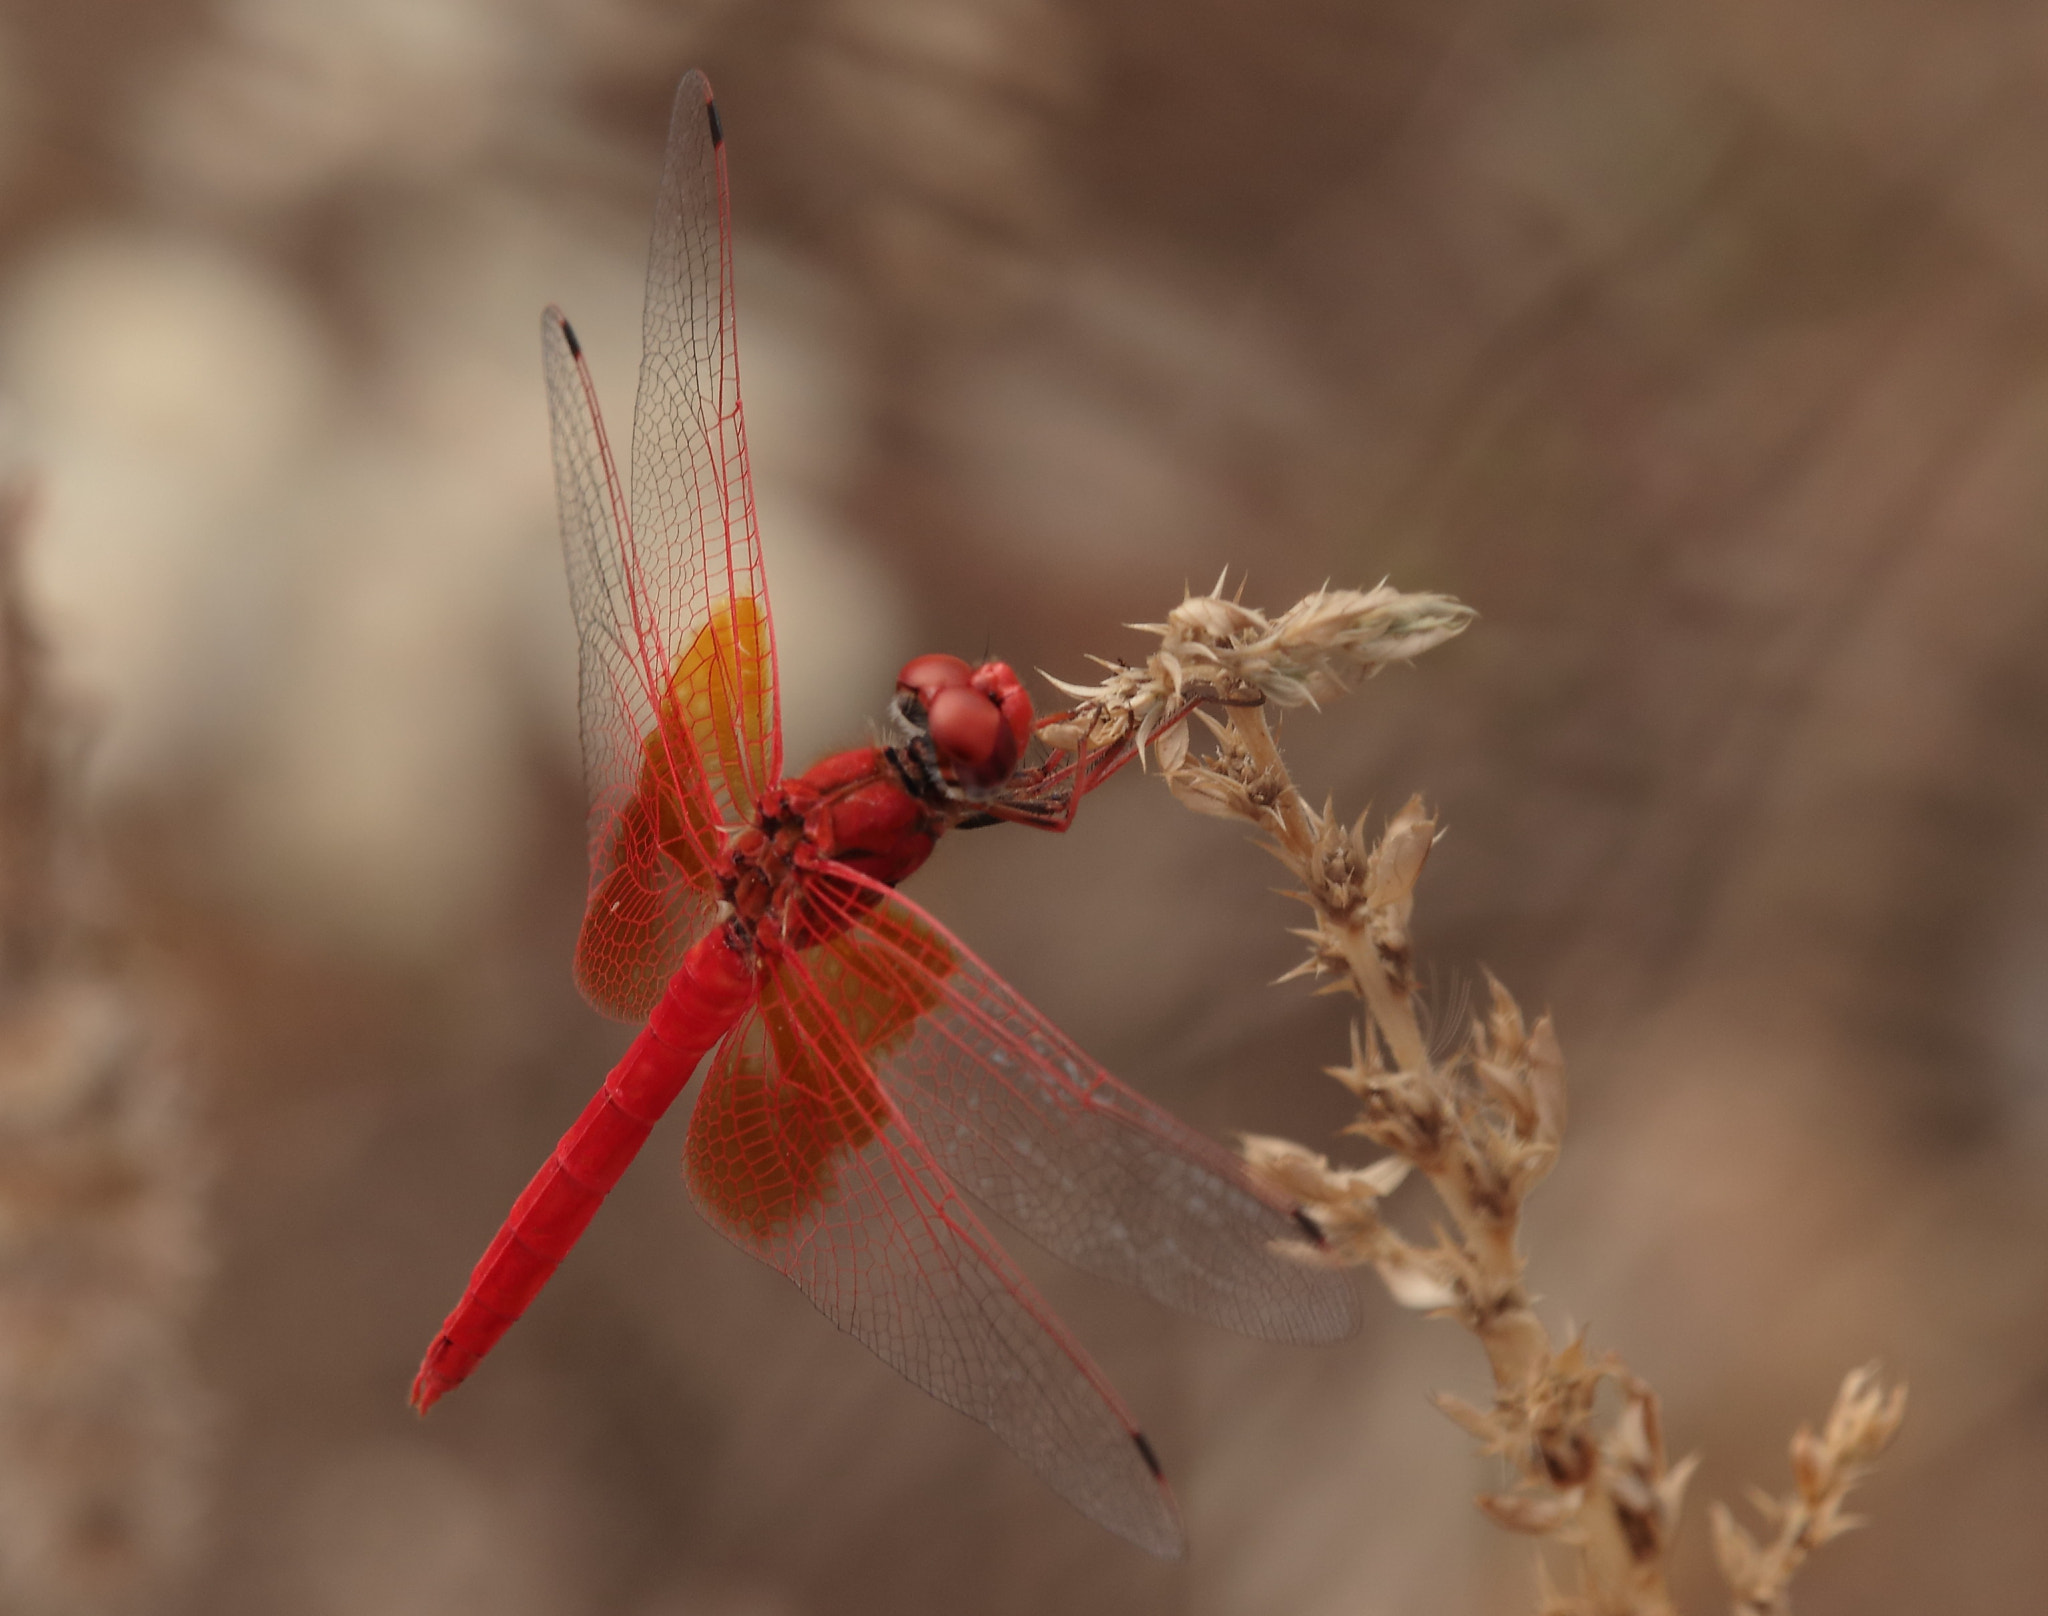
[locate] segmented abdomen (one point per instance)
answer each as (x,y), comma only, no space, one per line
(706,996)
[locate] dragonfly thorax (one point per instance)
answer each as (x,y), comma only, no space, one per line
(957,734)
(853,809)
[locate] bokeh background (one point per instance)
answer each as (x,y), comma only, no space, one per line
(1703,347)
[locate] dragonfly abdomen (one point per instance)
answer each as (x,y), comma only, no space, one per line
(705,997)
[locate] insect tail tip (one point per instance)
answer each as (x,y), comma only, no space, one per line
(427,1388)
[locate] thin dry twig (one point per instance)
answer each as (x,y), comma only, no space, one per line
(1483,1126)
(1825,1466)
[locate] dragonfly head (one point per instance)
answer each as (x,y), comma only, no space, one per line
(979,719)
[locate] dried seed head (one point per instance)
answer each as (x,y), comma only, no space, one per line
(1485,1124)
(1227,783)
(1825,1467)
(1519,1078)
(1536,1514)
(1642,1493)
(1210,620)
(1211,646)
(1334,1194)
(1482,1425)
(1739,1555)
(1208,792)
(1421,1281)
(1172,749)
(1393,869)
(1317,646)
(1408,1114)
(1671,1489)
(1864,1419)
(1294,1170)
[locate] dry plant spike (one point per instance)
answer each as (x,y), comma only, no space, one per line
(1483,1126)
(101,1239)
(1212,646)
(1825,1467)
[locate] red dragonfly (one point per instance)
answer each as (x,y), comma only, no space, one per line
(865,1067)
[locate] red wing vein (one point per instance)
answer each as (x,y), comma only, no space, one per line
(799,1158)
(1018,1116)
(692,495)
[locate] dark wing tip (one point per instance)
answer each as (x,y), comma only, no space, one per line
(1145,1452)
(576,348)
(717,129)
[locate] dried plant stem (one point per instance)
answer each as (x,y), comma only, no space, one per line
(1484,1126)
(1825,1466)
(1387,999)
(1532,1387)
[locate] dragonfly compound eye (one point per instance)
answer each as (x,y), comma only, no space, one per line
(974,738)
(996,681)
(925,676)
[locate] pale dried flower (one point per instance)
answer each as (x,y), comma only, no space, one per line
(1825,1467)
(1483,1126)
(1211,647)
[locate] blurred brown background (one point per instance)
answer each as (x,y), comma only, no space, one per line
(1703,347)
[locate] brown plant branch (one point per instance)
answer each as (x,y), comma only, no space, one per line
(1825,1467)
(1483,1126)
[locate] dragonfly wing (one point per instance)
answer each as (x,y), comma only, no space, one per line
(798,1155)
(681,729)
(1014,1113)
(693,491)
(653,827)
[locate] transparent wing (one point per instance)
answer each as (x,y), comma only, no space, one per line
(693,491)
(1019,1117)
(653,825)
(797,1155)
(681,731)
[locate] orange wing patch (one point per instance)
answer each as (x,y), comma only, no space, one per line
(655,895)
(877,997)
(782,1109)
(724,690)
